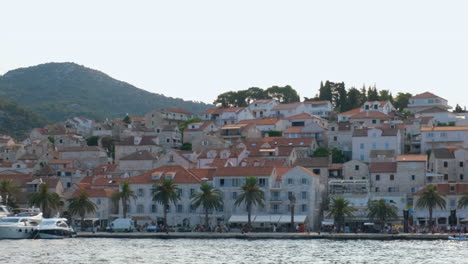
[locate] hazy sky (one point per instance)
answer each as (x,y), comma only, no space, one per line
(198,49)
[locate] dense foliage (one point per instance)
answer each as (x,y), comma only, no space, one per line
(16,121)
(283,94)
(62,90)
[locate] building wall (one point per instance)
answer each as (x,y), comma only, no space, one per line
(355,170)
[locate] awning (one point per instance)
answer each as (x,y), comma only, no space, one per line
(328,222)
(240,219)
(262,219)
(368,224)
(297,219)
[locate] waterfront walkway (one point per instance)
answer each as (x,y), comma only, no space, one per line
(232,235)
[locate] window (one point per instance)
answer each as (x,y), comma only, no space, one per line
(391,189)
(374,145)
(461,164)
(413,177)
(376,106)
(452,188)
(332,128)
(461,177)
(413,189)
(141,192)
(98,201)
(221,182)
(289,194)
(171,158)
(387,146)
(452,203)
(304,195)
(377,189)
(445,164)
(374,121)
(262,182)
(303,181)
(180,208)
(361,146)
(290,181)
(392,177)
(275,208)
(192,191)
(356,167)
(361,157)
(140,209)
(316,171)
(445,177)
(303,207)
(68,184)
(180,192)
(154,209)
(367,107)
(234,195)
(335,138)
(235,182)
(377,177)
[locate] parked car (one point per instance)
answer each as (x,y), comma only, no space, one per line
(122,225)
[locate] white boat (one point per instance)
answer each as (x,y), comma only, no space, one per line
(54,228)
(19,226)
(459,237)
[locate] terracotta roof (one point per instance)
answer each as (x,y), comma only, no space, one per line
(385,132)
(137,118)
(444,188)
(335,166)
(260,122)
(293,130)
(233,152)
(182,175)
(281,141)
(217,163)
(376,167)
(316,102)
(443,153)
(204,173)
(308,171)
(300,116)
(370,115)
(243,171)
(108,182)
(431,110)
(280,171)
(444,128)
(426,95)
(312,162)
(201,126)
(412,158)
(140,155)
(344,126)
(58,161)
(351,112)
(95,192)
(287,106)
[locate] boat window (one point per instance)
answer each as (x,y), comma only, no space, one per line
(9,220)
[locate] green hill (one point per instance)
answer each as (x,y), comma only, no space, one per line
(16,121)
(58,91)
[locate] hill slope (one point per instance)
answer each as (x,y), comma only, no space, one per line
(61,90)
(16,121)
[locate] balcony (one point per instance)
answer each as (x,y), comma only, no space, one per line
(276,199)
(276,186)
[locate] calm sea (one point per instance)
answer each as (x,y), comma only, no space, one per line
(85,250)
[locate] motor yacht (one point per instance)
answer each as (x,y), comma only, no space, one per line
(19,226)
(4,211)
(54,228)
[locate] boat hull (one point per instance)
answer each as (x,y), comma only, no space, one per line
(55,234)
(15,232)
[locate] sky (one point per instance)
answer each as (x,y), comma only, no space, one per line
(196,50)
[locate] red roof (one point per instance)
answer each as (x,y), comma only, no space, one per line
(412,157)
(281,171)
(177,110)
(370,115)
(203,173)
(352,111)
(376,167)
(243,171)
(263,121)
(182,175)
(95,192)
(300,116)
(426,95)
(444,189)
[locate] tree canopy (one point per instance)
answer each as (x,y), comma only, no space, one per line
(283,94)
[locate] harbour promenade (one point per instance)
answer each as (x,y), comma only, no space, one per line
(232,235)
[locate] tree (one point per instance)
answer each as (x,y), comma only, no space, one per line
(325,91)
(184,125)
(186,146)
(463,202)
(209,198)
(255,93)
(284,95)
(381,211)
(458,109)
(275,133)
(372,94)
(402,100)
(45,200)
(227,99)
(7,190)
(321,152)
(127,120)
(251,195)
(165,193)
(92,141)
(385,95)
(354,99)
(363,98)
(431,199)
(340,99)
(338,156)
(292,206)
(339,208)
(125,195)
(81,205)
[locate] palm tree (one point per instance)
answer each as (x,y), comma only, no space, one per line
(292,205)
(81,205)
(45,199)
(125,195)
(463,202)
(382,211)
(209,197)
(430,199)
(165,193)
(7,190)
(339,208)
(251,195)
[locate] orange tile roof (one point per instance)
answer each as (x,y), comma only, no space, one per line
(444,128)
(293,130)
(426,95)
(182,175)
(280,171)
(203,173)
(300,116)
(243,171)
(96,192)
(177,110)
(58,161)
(370,115)
(444,188)
(263,121)
(412,157)
(351,112)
